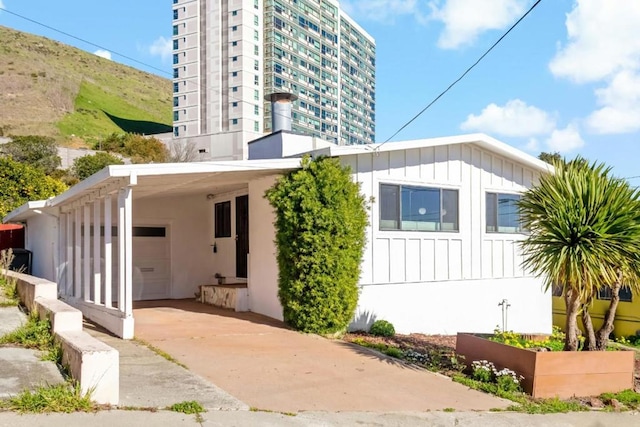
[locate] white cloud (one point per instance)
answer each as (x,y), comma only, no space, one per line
(1,5)
(465,20)
(620,105)
(603,38)
(161,47)
(382,10)
(514,119)
(103,54)
(565,140)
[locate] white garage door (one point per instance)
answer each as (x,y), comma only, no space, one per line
(151,262)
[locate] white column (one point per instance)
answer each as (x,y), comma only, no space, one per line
(86,254)
(69,257)
(108,267)
(97,271)
(77,255)
(128,233)
(122,253)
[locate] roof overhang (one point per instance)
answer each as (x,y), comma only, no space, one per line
(479,139)
(161,180)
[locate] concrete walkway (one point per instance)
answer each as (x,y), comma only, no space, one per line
(20,368)
(269,367)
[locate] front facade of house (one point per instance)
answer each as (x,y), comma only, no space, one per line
(442,242)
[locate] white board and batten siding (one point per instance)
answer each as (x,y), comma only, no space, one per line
(446,282)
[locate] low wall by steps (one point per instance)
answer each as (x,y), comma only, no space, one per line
(95,365)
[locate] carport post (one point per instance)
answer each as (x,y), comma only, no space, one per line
(125,262)
(97,273)
(77,260)
(107,252)
(86,254)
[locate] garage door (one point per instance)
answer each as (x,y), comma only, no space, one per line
(151,262)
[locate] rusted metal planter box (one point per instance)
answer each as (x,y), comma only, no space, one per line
(554,373)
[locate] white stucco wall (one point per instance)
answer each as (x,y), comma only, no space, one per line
(42,240)
(263,267)
(448,307)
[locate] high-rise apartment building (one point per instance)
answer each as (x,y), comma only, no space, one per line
(229,54)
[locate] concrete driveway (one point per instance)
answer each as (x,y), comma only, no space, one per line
(267,366)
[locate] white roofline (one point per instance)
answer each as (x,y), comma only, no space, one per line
(479,139)
(24,209)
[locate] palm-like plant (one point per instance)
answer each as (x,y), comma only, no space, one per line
(584,234)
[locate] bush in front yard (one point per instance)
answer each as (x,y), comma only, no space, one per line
(382,328)
(321,219)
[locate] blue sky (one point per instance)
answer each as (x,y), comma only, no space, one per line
(566,79)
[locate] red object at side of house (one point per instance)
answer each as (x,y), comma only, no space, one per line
(11,236)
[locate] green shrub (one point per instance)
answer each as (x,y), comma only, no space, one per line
(382,328)
(187,407)
(40,152)
(320,224)
(85,166)
(65,398)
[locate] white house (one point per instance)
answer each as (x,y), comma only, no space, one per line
(442,247)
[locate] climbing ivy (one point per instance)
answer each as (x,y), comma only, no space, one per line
(321,218)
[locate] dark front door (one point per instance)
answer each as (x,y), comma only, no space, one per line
(242,235)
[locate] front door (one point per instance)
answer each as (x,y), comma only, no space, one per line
(242,235)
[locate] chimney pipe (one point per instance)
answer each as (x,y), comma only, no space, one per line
(281,103)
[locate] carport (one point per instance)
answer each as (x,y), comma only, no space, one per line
(156,231)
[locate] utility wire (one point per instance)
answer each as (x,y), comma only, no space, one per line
(463,74)
(160,70)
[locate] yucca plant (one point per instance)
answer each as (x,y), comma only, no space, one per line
(584,235)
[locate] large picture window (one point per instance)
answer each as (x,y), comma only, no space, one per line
(412,208)
(502,213)
(223,219)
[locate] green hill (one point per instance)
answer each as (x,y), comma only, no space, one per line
(48,88)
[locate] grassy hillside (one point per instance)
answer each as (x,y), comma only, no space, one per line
(48,88)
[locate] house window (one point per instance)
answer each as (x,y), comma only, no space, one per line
(412,208)
(624,294)
(502,213)
(223,219)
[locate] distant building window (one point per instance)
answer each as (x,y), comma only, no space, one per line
(176,73)
(176,131)
(176,101)
(413,208)
(624,294)
(175,1)
(234,89)
(502,213)
(234,104)
(234,43)
(176,116)
(255,4)
(256,126)
(175,58)
(256,50)
(234,28)
(256,80)
(175,30)
(223,219)
(256,20)
(234,121)
(176,87)
(175,13)
(234,59)
(175,44)
(256,110)
(256,35)
(256,95)
(234,13)
(256,65)
(234,74)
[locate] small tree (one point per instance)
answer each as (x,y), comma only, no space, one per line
(584,235)
(20,183)
(321,219)
(139,148)
(550,158)
(38,151)
(85,166)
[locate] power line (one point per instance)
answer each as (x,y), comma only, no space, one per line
(190,81)
(463,74)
